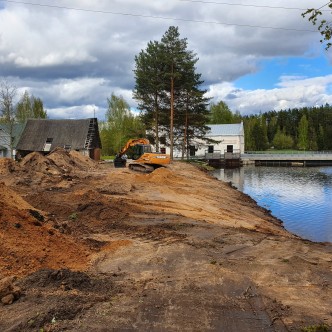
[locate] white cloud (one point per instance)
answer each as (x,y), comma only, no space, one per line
(74,112)
(292,92)
(72,58)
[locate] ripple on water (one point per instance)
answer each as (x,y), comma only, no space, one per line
(301,197)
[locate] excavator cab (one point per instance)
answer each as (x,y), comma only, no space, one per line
(138,150)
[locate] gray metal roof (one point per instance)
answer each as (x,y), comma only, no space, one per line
(234,129)
(62,132)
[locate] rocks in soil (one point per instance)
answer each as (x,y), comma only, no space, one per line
(8,291)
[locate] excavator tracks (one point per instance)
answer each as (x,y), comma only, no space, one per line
(141,168)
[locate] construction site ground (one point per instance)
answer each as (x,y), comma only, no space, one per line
(88,247)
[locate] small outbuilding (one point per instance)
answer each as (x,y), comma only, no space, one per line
(44,135)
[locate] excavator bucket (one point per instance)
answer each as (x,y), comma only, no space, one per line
(119,162)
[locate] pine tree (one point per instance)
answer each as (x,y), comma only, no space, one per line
(167,90)
(149,87)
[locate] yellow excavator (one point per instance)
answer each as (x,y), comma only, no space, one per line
(143,159)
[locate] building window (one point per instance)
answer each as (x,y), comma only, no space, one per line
(162,140)
(230,148)
(192,150)
(210,149)
(48,144)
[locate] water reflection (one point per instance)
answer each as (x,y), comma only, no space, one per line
(300,196)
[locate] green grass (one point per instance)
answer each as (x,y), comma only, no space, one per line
(107,157)
(316,328)
(73,216)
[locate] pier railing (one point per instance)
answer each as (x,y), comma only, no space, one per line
(287,152)
(287,156)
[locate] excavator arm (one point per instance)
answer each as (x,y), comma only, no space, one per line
(133,142)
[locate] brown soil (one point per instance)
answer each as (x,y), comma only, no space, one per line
(87,247)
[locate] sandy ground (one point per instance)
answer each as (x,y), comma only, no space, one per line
(87,247)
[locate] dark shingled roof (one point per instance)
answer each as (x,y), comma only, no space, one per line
(62,132)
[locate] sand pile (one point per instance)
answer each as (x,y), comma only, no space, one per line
(36,162)
(27,243)
(7,166)
(164,175)
(82,161)
(9,198)
(70,161)
(59,161)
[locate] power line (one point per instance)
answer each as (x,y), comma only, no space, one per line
(244,5)
(156,17)
(323,6)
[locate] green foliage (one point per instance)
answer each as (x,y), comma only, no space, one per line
(303,127)
(168,91)
(220,113)
(120,126)
(30,107)
(324,26)
(255,132)
(316,328)
(282,140)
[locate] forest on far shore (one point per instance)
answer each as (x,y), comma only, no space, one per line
(306,129)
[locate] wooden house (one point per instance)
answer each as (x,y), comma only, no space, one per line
(44,135)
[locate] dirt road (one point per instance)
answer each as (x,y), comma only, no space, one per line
(86,247)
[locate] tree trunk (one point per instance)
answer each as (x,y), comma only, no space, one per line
(171,136)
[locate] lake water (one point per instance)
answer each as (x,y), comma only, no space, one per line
(300,196)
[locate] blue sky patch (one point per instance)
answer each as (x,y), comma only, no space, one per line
(270,72)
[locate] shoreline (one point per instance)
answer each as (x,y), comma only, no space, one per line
(283,206)
(174,250)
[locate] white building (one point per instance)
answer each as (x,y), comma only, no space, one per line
(227,137)
(223,138)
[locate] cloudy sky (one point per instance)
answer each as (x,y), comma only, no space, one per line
(255,55)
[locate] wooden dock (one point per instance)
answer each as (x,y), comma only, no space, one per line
(288,159)
(300,159)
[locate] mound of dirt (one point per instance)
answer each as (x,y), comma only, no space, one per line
(59,161)
(164,175)
(28,244)
(82,161)
(9,198)
(36,162)
(70,161)
(7,166)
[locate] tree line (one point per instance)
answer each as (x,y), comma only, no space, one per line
(13,113)
(307,128)
(27,107)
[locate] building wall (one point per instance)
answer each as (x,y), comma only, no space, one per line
(236,141)
(202,147)
(5,142)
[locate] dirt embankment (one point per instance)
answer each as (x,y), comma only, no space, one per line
(86,247)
